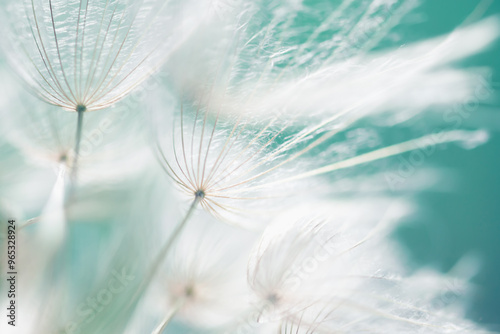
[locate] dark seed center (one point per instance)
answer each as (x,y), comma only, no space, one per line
(81,108)
(189,291)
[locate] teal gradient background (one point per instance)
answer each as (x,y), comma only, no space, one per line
(466,220)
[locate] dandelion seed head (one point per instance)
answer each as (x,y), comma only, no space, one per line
(45,136)
(63,157)
(205,272)
(185,291)
(200,194)
(92,53)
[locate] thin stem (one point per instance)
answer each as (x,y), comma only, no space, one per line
(79,126)
(169,316)
(173,237)
(166,248)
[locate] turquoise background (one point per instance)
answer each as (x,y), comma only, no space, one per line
(467,220)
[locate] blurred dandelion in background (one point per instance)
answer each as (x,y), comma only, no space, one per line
(252,167)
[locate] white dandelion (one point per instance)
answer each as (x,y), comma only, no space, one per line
(85,55)
(343,274)
(45,138)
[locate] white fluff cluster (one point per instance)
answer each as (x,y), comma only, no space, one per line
(91,54)
(267,115)
(342,274)
(253,118)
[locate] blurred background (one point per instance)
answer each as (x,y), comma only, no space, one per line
(466,219)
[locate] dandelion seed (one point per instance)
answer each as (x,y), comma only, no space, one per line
(85,55)
(203,275)
(46,138)
(355,285)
